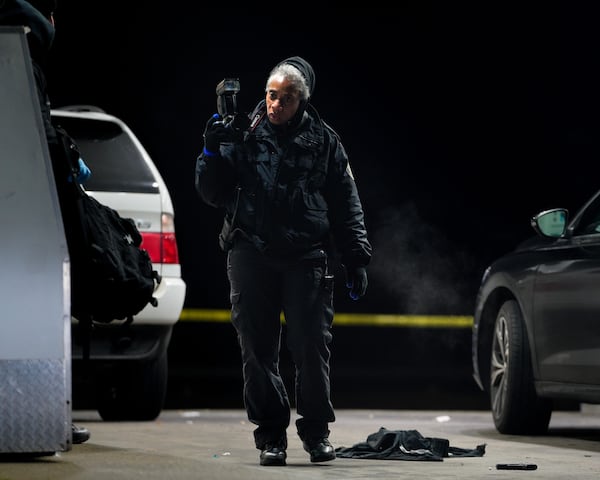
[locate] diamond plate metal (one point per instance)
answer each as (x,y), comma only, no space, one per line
(35,410)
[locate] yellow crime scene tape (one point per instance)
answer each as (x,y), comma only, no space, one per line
(350,319)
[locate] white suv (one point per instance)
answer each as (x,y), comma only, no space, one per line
(125,373)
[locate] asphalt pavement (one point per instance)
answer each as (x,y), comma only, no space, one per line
(217,444)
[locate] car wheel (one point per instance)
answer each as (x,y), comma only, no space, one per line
(136,393)
(516,408)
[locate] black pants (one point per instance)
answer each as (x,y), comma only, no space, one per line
(261,288)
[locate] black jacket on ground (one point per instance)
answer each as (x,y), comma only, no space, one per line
(406,445)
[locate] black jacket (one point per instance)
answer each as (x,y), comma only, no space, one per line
(288,192)
(406,445)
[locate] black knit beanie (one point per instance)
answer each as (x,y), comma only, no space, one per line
(305,69)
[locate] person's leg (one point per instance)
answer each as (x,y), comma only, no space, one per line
(256,309)
(308,309)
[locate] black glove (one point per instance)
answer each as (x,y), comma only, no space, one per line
(356,281)
(214,133)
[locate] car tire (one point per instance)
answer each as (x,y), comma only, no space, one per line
(134,393)
(516,408)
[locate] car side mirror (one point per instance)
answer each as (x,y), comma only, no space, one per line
(551,223)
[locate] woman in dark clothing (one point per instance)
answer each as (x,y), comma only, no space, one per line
(290,201)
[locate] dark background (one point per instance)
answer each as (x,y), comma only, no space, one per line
(461,120)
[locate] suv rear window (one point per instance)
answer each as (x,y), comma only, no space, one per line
(116,163)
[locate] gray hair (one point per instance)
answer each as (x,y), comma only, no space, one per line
(293,75)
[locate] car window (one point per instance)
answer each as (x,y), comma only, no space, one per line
(116,163)
(589,223)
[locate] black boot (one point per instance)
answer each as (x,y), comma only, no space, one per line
(80,434)
(320,449)
(273,455)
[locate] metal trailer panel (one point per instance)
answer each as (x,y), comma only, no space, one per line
(35,334)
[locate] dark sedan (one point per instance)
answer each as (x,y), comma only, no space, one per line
(536,330)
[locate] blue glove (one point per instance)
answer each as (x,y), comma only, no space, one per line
(356,281)
(84,172)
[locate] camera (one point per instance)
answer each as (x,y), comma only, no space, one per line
(235,122)
(227,90)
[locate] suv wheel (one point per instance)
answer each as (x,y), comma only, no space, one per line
(133,392)
(516,408)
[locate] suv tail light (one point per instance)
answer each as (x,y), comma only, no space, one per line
(162,246)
